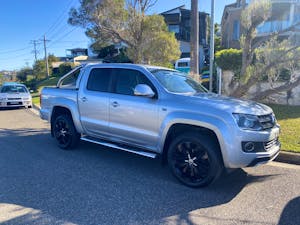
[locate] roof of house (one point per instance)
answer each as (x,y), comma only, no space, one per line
(180,9)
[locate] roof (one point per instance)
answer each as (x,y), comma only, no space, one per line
(175,10)
(180,9)
(11,84)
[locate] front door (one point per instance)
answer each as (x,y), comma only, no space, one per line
(133,119)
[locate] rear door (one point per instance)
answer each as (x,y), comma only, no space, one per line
(133,119)
(93,101)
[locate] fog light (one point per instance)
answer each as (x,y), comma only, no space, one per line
(249,147)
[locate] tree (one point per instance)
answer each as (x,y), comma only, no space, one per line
(64,68)
(267,56)
(126,22)
(39,67)
(23,73)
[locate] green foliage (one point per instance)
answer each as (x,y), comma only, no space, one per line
(52,58)
(39,69)
(107,51)
(23,73)
(31,84)
(64,68)
(119,58)
(146,36)
(256,13)
(229,59)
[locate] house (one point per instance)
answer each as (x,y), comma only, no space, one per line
(178,21)
(74,52)
(285,13)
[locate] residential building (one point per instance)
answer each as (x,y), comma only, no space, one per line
(284,14)
(77,52)
(178,21)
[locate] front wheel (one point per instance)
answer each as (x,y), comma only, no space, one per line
(65,133)
(194,159)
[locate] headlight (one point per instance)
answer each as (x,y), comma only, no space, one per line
(247,122)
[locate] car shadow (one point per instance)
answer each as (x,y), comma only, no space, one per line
(290,214)
(97,185)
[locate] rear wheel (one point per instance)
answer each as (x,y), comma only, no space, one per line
(194,159)
(65,133)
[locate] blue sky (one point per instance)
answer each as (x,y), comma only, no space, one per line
(22,21)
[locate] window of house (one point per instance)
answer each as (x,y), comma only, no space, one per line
(99,80)
(236,30)
(174,28)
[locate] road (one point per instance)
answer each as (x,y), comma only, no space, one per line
(41,184)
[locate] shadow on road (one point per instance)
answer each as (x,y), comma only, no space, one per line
(290,214)
(97,185)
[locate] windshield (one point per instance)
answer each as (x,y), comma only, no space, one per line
(13,89)
(177,82)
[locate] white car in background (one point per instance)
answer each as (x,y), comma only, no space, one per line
(15,95)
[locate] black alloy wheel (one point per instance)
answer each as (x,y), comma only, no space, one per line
(194,160)
(65,132)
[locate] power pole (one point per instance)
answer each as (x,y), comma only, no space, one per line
(212,45)
(46,56)
(194,37)
(34,42)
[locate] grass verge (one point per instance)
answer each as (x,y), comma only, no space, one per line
(289,119)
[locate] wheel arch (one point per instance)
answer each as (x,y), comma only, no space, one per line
(60,110)
(179,128)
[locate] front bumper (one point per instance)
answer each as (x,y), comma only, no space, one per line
(237,158)
(18,103)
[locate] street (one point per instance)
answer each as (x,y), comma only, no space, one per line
(42,184)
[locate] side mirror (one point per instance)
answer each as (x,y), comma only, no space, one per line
(143,90)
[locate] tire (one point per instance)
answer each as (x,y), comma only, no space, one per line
(194,159)
(65,133)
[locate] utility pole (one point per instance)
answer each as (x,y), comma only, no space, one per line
(34,42)
(46,56)
(194,38)
(212,45)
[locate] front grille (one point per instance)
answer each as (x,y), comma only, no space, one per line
(14,98)
(268,145)
(267,121)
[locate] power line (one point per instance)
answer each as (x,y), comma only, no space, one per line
(16,56)
(63,36)
(59,19)
(15,50)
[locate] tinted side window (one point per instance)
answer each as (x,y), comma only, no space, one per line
(127,79)
(99,80)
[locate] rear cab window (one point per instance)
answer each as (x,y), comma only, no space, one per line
(99,80)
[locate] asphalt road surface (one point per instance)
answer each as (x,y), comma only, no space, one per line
(41,184)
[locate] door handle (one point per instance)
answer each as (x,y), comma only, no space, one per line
(84,99)
(115,104)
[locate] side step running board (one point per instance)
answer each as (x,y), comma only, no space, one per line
(121,147)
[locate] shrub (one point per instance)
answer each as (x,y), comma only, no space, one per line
(229,59)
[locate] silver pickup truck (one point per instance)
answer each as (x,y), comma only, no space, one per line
(155,111)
